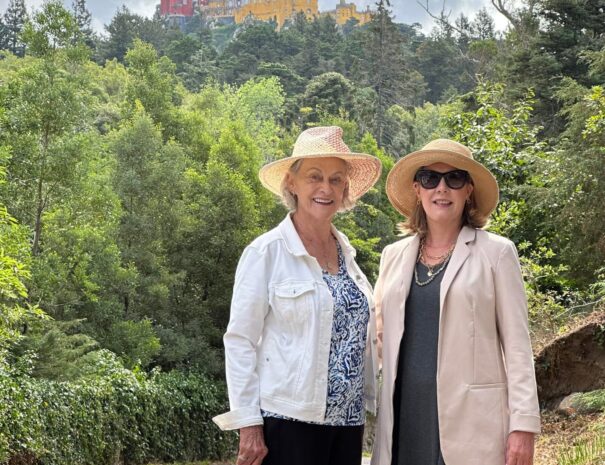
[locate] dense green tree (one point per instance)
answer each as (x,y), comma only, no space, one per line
(412,129)
(200,68)
(254,44)
(182,50)
(483,27)
(3,35)
(292,82)
(125,27)
(44,102)
(84,21)
(15,312)
(384,68)
(328,93)
(550,51)
(60,348)
(152,83)
(445,70)
(503,139)
(14,20)
(576,176)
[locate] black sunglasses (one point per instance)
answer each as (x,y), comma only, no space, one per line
(429,179)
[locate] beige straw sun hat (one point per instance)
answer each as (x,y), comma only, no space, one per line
(325,142)
(400,181)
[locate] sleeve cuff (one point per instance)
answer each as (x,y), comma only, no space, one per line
(239,418)
(521,422)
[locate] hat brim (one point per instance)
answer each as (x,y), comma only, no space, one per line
(364,171)
(399,185)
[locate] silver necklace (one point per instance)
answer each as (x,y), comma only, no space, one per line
(432,274)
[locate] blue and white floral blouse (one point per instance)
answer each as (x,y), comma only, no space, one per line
(345,401)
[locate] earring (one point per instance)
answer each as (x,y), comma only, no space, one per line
(468,201)
(418,202)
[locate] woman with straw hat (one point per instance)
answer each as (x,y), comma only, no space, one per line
(300,347)
(457,366)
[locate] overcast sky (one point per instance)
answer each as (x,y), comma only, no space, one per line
(405,11)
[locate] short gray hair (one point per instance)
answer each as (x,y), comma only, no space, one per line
(290,200)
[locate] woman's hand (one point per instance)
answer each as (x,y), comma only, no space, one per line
(252,448)
(520,448)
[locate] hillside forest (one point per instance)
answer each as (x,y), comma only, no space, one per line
(129,188)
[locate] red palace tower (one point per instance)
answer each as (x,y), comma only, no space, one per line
(177,7)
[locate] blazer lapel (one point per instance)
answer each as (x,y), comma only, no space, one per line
(408,259)
(461,253)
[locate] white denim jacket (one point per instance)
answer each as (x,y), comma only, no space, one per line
(278,339)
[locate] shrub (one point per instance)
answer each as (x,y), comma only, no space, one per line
(121,417)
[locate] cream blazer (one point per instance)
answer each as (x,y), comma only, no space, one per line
(486,384)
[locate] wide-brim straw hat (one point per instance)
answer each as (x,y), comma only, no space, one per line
(399,186)
(325,142)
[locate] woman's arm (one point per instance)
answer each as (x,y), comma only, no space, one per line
(513,329)
(249,306)
(378,295)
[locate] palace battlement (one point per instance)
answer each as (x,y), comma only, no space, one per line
(278,10)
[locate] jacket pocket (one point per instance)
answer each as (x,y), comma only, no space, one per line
(292,301)
(475,387)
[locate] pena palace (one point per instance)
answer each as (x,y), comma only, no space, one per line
(235,11)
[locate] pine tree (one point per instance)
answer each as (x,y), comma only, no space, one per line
(83,19)
(386,71)
(3,35)
(483,25)
(14,20)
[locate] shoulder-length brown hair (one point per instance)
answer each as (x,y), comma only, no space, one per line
(417,224)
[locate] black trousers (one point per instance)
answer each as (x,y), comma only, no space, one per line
(297,443)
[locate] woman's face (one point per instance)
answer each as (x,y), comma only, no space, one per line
(319,187)
(443,205)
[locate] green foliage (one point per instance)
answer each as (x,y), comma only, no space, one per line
(15,310)
(500,136)
(14,21)
(135,341)
(328,93)
(576,177)
(385,69)
(152,82)
(122,31)
(52,29)
(14,254)
(84,22)
(591,402)
(587,452)
(120,416)
(546,292)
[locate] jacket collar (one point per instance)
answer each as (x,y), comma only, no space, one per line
(295,245)
(459,256)
(409,255)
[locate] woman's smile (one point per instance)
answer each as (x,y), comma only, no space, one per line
(322,201)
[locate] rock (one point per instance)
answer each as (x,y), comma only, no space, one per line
(573,362)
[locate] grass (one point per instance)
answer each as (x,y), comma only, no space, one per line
(576,439)
(587,452)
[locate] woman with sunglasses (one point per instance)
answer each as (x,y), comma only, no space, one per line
(457,367)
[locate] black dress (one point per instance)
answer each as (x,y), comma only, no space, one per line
(416,424)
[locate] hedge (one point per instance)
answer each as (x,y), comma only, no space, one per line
(123,417)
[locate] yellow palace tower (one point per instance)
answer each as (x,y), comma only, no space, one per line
(345,11)
(279,10)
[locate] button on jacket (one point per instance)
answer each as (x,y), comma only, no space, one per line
(486,385)
(277,343)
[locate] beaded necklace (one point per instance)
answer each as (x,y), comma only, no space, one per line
(432,273)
